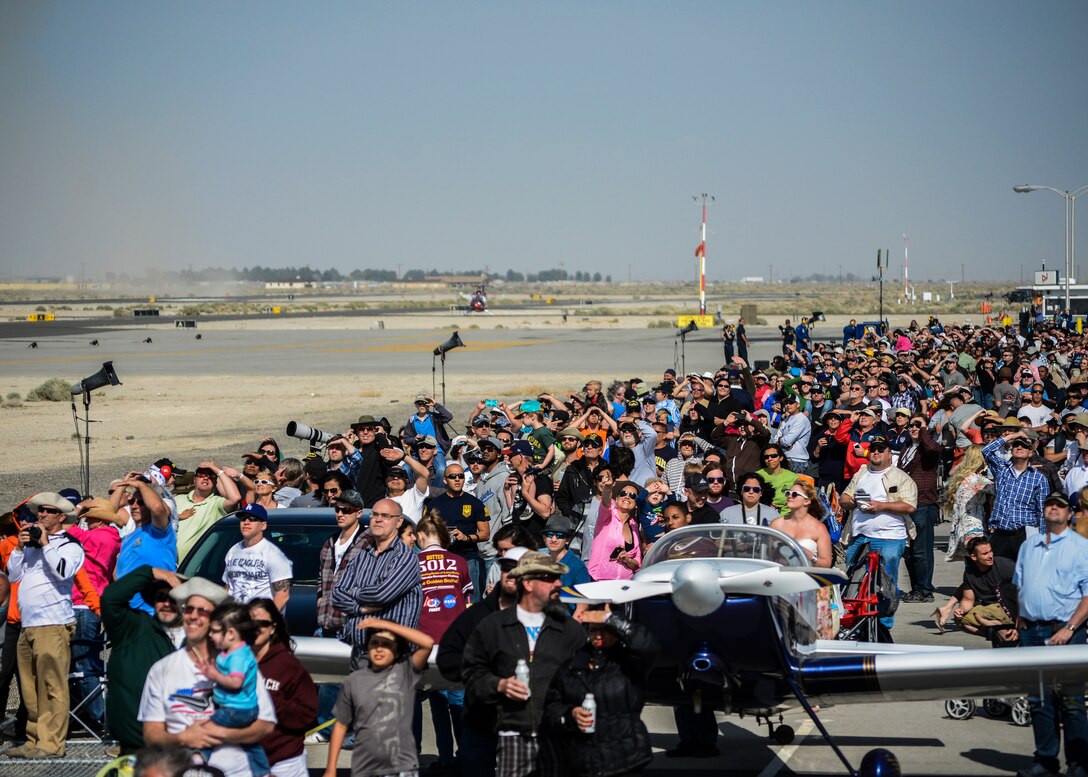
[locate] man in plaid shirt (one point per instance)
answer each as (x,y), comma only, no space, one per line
(335,555)
(1020,491)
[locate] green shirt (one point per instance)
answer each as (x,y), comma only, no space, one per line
(781,483)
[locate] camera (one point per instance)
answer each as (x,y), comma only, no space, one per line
(35,533)
(315,437)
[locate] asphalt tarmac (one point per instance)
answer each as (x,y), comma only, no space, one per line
(925,740)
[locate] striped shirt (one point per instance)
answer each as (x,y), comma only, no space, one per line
(1018,497)
(388,583)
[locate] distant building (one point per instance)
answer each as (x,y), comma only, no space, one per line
(753,279)
(290,285)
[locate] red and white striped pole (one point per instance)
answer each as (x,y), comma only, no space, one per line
(700,254)
(906,269)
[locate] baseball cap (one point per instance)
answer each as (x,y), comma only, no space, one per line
(522,447)
(511,557)
(879,441)
(354,498)
(254,510)
(696,482)
(1057,498)
(426,441)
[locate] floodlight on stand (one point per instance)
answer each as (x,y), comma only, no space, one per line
(683,335)
(441,351)
(106,376)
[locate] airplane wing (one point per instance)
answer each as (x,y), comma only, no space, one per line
(698,586)
(919,673)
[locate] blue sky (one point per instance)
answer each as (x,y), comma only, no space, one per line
(538,135)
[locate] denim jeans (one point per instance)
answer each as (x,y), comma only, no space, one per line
(446,710)
(1059,711)
(919,554)
(477,570)
(87,644)
(229,717)
(476,753)
(891,552)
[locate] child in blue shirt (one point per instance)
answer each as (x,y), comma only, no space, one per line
(235,676)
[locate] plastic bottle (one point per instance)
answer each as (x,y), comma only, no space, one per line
(590,704)
(521,673)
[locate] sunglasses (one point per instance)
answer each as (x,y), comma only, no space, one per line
(751,489)
(333,491)
(201,612)
(264,482)
(556,535)
(49,510)
(456,476)
(267,451)
(627,495)
(715,480)
(1019,444)
(162,596)
(771,456)
(261,624)
(381,642)
(345,509)
(250,518)
(917,426)
(545,578)
(568,439)
(796,494)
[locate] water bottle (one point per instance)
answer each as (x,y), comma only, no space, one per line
(590,704)
(521,673)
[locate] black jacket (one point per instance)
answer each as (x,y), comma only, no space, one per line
(492,653)
(617,679)
(575,488)
(451,652)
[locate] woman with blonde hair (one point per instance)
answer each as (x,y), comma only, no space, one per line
(968,497)
(803,523)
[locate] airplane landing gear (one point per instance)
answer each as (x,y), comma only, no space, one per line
(783,734)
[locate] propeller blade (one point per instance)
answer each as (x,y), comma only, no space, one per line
(619,591)
(773,581)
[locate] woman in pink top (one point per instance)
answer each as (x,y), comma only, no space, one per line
(101,545)
(616,553)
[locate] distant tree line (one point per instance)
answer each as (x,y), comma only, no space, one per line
(306,273)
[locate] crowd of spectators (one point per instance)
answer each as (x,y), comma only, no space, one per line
(471,527)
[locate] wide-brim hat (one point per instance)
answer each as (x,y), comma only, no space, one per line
(54,500)
(199,586)
(100,509)
(534,564)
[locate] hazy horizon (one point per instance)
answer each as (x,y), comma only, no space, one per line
(530,137)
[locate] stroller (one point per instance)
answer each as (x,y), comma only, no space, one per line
(866,598)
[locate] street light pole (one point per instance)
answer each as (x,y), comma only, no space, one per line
(1070,226)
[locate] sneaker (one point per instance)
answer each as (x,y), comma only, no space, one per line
(19,751)
(1076,771)
(113,751)
(314,739)
(1037,770)
(706,751)
(916,597)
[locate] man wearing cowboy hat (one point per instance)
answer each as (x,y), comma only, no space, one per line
(177,698)
(44,564)
(537,631)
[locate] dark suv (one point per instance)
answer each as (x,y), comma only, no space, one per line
(299,533)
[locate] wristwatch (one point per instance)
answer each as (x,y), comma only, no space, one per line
(1070,626)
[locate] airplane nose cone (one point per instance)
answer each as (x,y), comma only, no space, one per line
(696,590)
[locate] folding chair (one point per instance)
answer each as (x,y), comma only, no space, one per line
(79,713)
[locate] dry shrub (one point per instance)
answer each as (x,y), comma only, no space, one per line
(53,390)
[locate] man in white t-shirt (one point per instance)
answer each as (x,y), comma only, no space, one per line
(882,498)
(177,699)
(255,568)
(1035,411)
